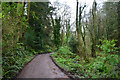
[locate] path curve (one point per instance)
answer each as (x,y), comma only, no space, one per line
(41,67)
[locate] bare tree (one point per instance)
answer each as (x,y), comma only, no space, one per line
(93,46)
(78,29)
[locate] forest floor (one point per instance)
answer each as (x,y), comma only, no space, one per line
(41,67)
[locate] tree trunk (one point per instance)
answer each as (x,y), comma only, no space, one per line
(118,8)
(80,47)
(93,46)
(62,35)
(28,11)
(20,8)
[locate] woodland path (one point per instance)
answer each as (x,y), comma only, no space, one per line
(41,67)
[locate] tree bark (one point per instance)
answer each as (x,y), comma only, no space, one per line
(80,47)
(118,8)
(93,46)
(28,11)
(20,9)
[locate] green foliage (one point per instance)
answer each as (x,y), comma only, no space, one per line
(108,46)
(40,23)
(38,34)
(14,53)
(66,58)
(29,38)
(56,32)
(73,44)
(46,49)
(14,60)
(33,51)
(20,41)
(103,66)
(110,20)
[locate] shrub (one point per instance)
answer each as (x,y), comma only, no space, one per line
(104,66)
(29,37)
(108,46)
(45,49)
(14,60)
(73,44)
(66,59)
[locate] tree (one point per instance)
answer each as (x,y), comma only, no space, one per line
(56,32)
(118,9)
(93,52)
(13,21)
(68,26)
(78,29)
(111,20)
(39,20)
(63,11)
(65,16)
(20,13)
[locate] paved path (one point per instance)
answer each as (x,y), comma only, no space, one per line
(41,67)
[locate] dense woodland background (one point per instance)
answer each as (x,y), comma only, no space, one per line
(92,50)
